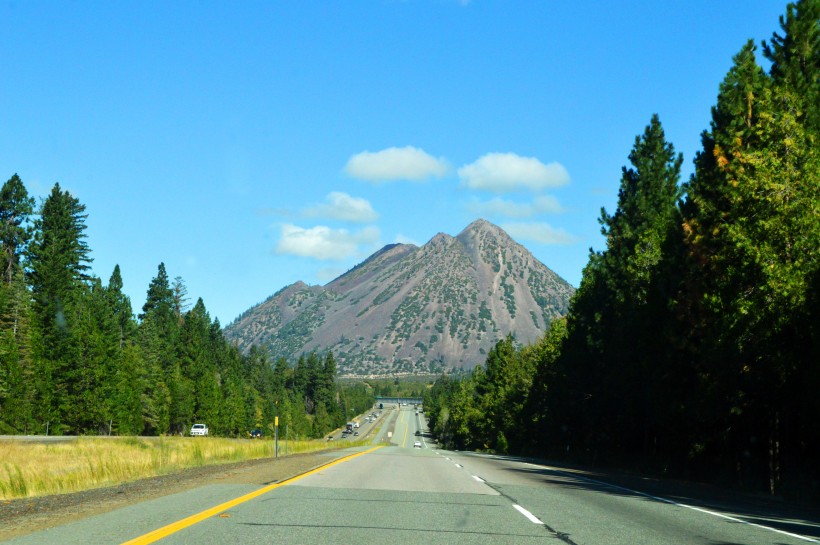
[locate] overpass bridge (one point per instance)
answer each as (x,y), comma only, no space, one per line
(399,400)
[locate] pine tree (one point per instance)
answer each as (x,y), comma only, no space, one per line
(795,69)
(16,365)
(326,384)
(538,409)
(612,356)
(16,207)
(16,360)
(159,332)
(198,362)
(130,386)
(121,306)
(160,298)
(322,422)
(180,295)
(58,258)
(97,338)
(646,208)
(795,58)
(753,223)
(156,399)
(237,418)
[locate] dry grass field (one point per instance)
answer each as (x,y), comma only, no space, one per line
(29,469)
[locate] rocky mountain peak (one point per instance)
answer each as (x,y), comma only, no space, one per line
(407,309)
(440,239)
(481,225)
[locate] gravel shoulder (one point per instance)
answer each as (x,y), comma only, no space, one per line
(27,515)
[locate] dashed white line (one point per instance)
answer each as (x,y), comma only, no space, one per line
(459,465)
(532,518)
(672,502)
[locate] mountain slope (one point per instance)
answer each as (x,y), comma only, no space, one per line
(414,309)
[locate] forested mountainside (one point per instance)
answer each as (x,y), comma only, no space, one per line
(414,309)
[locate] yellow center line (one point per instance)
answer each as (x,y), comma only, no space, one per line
(406,428)
(175,527)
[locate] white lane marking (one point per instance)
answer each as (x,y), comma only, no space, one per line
(479,479)
(672,502)
(459,465)
(532,518)
(733,519)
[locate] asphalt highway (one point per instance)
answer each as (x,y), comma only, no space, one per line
(409,495)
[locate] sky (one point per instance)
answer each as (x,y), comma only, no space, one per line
(250,145)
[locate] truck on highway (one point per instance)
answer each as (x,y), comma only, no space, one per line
(349,427)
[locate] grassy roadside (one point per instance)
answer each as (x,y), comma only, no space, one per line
(37,469)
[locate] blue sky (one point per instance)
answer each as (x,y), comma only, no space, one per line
(248,145)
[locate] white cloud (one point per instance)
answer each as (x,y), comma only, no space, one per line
(407,163)
(544,204)
(502,172)
(343,207)
(538,232)
(324,243)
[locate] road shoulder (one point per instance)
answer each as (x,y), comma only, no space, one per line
(28,515)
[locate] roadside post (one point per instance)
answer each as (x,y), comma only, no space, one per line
(275,437)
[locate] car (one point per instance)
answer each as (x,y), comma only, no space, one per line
(418,432)
(355,434)
(417,444)
(200,430)
(256,433)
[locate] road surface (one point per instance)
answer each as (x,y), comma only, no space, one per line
(405,495)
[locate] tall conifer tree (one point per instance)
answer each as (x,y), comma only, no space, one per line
(795,57)
(753,229)
(611,360)
(16,208)
(16,372)
(58,259)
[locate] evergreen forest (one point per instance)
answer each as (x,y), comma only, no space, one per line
(692,346)
(74,359)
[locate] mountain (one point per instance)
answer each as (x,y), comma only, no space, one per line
(414,309)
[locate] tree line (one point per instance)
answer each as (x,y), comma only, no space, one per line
(692,346)
(406,386)
(74,359)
